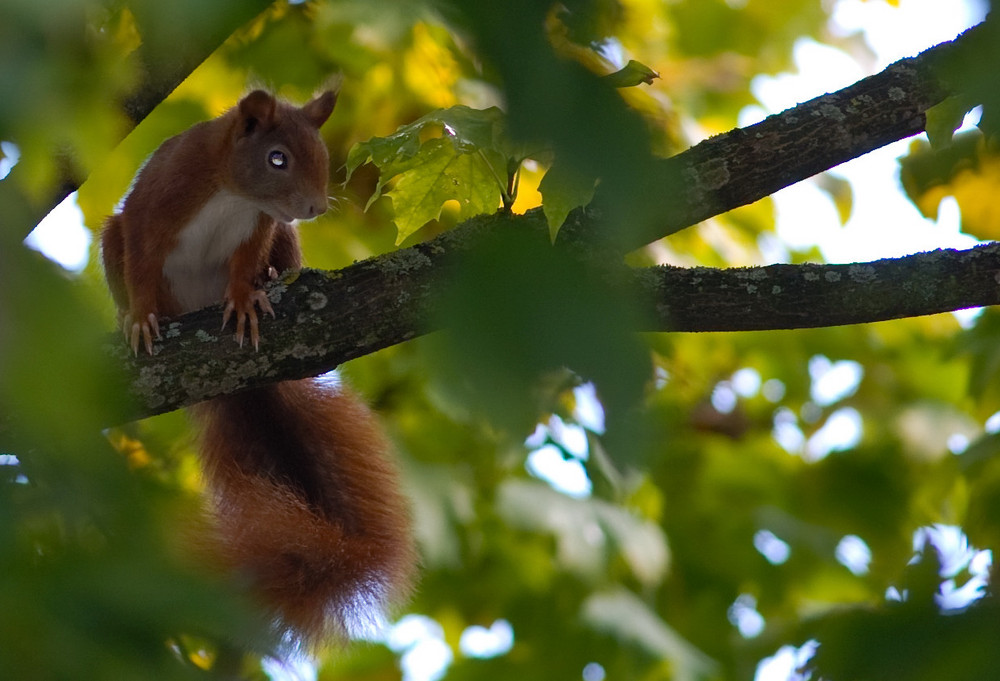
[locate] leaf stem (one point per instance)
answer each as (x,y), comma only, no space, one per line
(504,186)
(514,180)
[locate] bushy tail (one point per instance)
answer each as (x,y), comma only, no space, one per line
(307,505)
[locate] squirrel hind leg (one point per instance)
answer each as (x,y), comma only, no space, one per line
(113,259)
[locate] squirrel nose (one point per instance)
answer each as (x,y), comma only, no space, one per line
(317,206)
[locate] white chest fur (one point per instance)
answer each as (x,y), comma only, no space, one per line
(198,267)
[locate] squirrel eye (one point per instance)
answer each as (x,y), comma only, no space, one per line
(277,159)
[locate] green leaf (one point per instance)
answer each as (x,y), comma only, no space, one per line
(516,309)
(945,118)
(468,130)
(927,174)
(393,155)
(533,505)
(632,74)
(479,128)
(564,188)
(443,174)
(456,154)
(622,614)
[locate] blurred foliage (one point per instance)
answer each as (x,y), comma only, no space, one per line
(709,445)
(967,169)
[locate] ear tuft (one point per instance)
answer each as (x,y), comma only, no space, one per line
(319,109)
(256,109)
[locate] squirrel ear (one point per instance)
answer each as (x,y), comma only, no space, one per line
(319,109)
(256,108)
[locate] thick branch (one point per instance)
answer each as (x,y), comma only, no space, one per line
(746,164)
(325,319)
(809,296)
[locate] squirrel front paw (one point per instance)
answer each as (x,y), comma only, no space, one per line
(244,304)
(136,326)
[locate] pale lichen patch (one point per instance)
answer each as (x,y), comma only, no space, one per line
(275,292)
(832,112)
(862,274)
(316,301)
(149,385)
(405,261)
(713,174)
(752,273)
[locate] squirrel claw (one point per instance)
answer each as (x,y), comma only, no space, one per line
(245,312)
(146,330)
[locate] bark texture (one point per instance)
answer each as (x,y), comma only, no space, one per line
(327,318)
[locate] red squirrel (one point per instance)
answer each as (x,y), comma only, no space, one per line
(305,500)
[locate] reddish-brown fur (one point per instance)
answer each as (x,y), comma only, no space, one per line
(308,505)
(305,498)
(187,170)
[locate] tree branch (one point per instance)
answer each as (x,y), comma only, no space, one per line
(811,295)
(746,164)
(327,318)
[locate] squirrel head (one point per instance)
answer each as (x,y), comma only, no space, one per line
(279,159)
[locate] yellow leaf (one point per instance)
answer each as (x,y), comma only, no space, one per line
(976,189)
(430,69)
(839,190)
